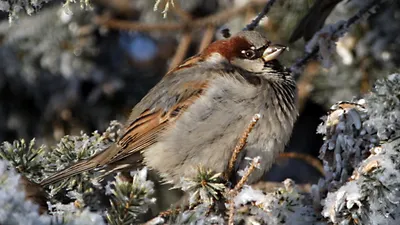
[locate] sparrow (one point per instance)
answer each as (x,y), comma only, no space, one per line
(198,111)
(313,20)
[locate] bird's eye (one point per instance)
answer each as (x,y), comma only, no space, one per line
(249,54)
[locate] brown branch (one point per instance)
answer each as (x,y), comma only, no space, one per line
(121,7)
(231,213)
(239,146)
(233,192)
(185,16)
(164,215)
(314,162)
(181,50)
(215,20)
(137,26)
(207,38)
(254,164)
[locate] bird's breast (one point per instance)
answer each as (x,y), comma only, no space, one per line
(208,131)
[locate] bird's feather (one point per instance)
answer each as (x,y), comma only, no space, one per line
(148,120)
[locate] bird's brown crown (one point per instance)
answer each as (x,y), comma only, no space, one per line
(235,46)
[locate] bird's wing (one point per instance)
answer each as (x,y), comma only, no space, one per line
(145,129)
(156,112)
(149,118)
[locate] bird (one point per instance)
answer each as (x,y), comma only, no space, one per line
(198,111)
(313,20)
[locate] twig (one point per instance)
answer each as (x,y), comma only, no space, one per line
(296,67)
(182,13)
(181,50)
(314,162)
(233,192)
(163,215)
(207,38)
(239,146)
(231,213)
(260,16)
(254,164)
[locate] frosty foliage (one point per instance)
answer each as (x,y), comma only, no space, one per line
(15,210)
(129,199)
(360,150)
(284,206)
(384,108)
(347,141)
(72,149)
(14,7)
(200,191)
(373,194)
(38,163)
(25,157)
(369,191)
(361,185)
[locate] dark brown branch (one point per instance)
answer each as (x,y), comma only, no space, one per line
(296,67)
(260,16)
(314,162)
(299,64)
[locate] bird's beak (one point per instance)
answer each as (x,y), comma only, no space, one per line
(273,51)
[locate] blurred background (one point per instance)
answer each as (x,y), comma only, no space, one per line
(75,67)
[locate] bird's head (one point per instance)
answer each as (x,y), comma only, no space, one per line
(247,50)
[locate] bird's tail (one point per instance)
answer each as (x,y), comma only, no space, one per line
(75,169)
(98,161)
(91,163)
